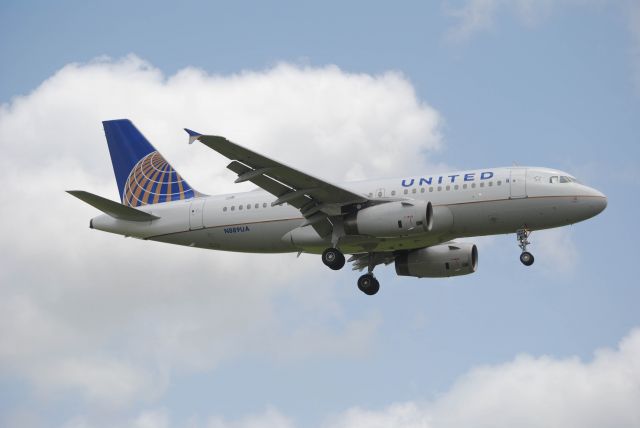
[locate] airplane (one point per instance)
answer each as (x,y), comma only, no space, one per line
(412,222)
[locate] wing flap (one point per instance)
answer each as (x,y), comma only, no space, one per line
(114,209)
(364,260)
(270,185)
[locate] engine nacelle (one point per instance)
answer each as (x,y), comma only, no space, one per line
(439,261)
(391,219)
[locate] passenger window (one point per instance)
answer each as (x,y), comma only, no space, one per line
(379,194)
(448,188)
(248,206)
(393,193)
(224,209)
(473,185)
(456,187)
(406,191)
(264,205)
(422,190)
(431,189)
(233,207)
(506,181)
(499,183)
(490,183)
(240,207)
(413,190)
(257,206)
(464,186)
(439,188)
(481,184)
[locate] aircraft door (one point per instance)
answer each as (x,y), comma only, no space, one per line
(196,214)
(518,183)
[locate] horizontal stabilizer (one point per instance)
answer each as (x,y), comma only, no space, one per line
(114,209)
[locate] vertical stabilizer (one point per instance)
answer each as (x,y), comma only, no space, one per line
(142,173)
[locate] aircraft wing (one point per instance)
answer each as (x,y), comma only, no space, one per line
(317,199)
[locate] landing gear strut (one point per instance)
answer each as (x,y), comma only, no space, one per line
(522,236)
(333,258)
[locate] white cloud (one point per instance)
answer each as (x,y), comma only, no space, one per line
(527,392)
(108,381)
(109,319)
(473,17)
(159,418)
(151,419)
(476,16)
(271,418)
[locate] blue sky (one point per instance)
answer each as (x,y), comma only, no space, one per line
(552,83)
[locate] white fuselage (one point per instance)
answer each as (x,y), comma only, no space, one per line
(481,202)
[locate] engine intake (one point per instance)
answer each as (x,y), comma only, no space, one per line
(438,261)
(391,219)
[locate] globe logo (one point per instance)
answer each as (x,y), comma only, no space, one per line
(152,180)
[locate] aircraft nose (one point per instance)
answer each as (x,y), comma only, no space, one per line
(601,203)
(598,201)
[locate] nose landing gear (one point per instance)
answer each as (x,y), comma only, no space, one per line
(526,258)
(522,236)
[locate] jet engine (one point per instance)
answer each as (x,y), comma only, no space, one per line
(391,219)
(438,261)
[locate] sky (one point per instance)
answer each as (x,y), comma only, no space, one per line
(97,330)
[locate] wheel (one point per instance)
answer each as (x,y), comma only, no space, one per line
(368,284)
(526,258)
(333,258)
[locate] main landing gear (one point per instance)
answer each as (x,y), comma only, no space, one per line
(367,283)
(333,258)
(522,236)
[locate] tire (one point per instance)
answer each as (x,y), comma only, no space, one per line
(368,284)
(526,258)
(333,258)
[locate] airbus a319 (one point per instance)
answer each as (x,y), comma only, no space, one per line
(411,222)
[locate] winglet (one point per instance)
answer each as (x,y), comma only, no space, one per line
(193,135)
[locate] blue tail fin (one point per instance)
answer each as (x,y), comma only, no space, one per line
(143,175)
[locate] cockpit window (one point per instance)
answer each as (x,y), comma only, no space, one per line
(553,179)
(564,179)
